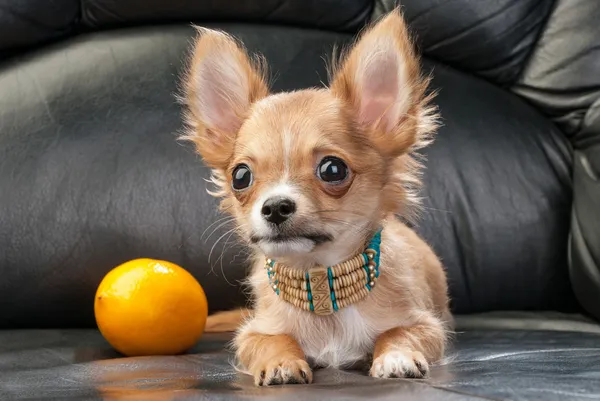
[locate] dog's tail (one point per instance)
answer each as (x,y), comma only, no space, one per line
(226,321)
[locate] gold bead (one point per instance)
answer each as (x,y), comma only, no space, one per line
(372,283)
(269,261)
(274,286)
(372,275)
(371,267)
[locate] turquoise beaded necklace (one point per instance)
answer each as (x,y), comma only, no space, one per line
(324,290)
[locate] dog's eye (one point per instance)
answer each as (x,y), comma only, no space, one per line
(241,177)
(332,170)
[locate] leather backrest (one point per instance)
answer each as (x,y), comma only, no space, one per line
(562,76)
(562,79)
(91,173)
(27,23)
(56,101)
(492,39)
(548,52)
(339,15)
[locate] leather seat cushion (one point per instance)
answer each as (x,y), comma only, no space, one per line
(545,361)
(91,175)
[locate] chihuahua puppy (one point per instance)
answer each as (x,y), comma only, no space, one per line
(311,177)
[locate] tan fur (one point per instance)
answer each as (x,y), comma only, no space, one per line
(375,117)
(273,359)
(225,321)
(213,140)
(409,293)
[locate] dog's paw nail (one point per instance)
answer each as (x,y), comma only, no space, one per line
(286,372)
(422,369)
(306,374)
(409,375)
(400,363)
(260,380)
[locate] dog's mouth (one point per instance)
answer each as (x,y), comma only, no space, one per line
(316,238)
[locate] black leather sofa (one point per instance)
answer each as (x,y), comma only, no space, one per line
(91,176)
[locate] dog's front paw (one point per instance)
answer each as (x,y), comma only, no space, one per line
(283,372)
(400,363)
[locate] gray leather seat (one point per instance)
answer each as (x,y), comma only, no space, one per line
(495,357)
(91,176)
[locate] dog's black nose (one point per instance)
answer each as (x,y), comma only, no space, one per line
(276,210)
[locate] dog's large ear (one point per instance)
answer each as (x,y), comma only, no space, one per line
(380,79)
(221,84)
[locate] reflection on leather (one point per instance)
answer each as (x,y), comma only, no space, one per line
(483,364)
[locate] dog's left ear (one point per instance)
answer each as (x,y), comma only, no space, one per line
(380,80)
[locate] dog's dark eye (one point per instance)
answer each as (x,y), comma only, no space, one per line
(241,177)
(332,170)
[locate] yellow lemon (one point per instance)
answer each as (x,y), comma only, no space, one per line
(150,307)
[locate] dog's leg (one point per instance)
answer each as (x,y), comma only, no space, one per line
(272,359)
(408,351)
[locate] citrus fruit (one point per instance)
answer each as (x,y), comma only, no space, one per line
(150,307)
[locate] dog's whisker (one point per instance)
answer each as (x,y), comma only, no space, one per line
(217,228)
(225,247)
(215,244)
(435,209)
(228,218)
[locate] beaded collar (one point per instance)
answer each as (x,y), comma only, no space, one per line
(323,290)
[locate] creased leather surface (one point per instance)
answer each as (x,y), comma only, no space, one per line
(524,365)
(497,199)
(489,38)
(340,15)
(562,77)
(27,23)
(30,22)
(91,176)
(585,232)
(497,364)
